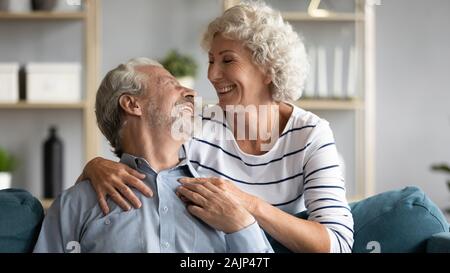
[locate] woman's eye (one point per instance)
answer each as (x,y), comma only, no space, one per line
(227,61)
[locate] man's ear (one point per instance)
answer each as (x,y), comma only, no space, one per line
(131,105)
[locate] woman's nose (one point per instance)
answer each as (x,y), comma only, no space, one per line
(214,72)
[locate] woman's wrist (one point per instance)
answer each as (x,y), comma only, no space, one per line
(89,165)
(254,205)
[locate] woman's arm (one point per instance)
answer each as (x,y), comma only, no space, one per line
(114,179)
(296,234)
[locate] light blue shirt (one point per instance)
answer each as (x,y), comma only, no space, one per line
(75,221)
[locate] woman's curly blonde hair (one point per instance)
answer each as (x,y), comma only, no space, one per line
(274,45)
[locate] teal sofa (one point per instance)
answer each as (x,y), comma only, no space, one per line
(402,221)
(21,217)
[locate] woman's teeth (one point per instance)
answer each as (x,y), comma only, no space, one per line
(225,89)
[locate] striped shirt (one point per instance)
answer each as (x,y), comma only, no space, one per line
(300,171)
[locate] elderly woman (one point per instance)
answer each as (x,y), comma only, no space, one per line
(256,59)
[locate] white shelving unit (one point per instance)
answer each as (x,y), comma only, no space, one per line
(362,106)
(89,17)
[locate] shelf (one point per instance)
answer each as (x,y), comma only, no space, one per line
(321,104)
(329,104)
(42,15)
(303,16)
(26,105)
(46,203)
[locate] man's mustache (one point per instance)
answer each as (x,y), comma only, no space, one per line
(184,100)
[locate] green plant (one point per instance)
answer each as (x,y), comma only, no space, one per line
(7,161)
(442,167)
(179,65)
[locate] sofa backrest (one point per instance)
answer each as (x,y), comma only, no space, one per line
(399,221)
(21,217)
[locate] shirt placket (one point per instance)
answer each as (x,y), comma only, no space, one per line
(167,227)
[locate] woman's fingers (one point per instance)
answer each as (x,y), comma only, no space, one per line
(117,198)
(126,192)
(102,202)
(199,188)
(185,180)
(197,211)
(192,196)
(134,173)
(139,185)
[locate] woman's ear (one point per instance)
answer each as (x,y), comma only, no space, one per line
(267,78)
(130,105)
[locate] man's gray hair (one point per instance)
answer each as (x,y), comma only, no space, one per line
(124,79)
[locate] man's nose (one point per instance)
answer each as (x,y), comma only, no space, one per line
(189,92)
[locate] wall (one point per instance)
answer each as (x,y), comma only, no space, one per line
(22,132)
(151,28)
(413,95)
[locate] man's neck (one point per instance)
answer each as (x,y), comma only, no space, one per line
(155,145)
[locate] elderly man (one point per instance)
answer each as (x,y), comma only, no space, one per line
(137,105)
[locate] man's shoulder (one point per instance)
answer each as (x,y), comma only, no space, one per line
(80,197)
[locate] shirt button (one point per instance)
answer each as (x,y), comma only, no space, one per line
(165,209)
(166,244)
(107,222)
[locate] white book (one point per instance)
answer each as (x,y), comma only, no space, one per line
(338,62)
(352,69)
(310,85)
(322,88)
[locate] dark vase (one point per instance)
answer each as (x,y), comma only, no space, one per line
(45,5)
(53,165)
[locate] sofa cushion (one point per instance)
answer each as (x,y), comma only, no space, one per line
(21,217)
(439,243)
(395,221)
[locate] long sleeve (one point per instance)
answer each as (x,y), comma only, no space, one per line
(250,239)
(61,228)
(324,189)
(51,236)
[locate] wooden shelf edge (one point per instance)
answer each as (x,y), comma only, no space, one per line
(27,105)
(46,203)
(330,104)
(320,104)
(43,15)
(303,16)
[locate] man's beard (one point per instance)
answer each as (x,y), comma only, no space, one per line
(178,121)
(182,120)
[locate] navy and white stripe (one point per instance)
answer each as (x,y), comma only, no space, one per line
(301,168)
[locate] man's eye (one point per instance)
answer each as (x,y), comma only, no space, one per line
(227,61)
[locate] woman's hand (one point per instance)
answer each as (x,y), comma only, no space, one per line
(215,206)
(247,200)
(115,179)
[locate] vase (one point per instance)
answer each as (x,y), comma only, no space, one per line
(53,164)
(5,180)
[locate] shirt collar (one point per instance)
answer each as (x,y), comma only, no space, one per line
(140,163)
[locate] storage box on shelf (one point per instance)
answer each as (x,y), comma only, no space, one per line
(53,82)
(9,82)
